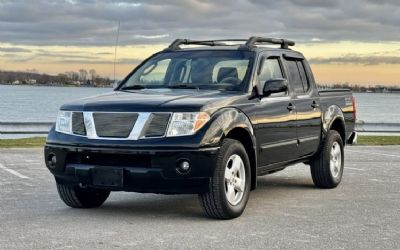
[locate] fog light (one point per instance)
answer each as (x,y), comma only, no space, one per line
(52,160)
(183,167)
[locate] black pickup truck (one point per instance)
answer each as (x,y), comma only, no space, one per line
(206,118)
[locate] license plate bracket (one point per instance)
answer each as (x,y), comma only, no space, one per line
(108,177)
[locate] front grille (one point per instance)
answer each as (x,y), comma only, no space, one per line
(157,125)
(116,125)
(78,124)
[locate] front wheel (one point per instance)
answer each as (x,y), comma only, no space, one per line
(229,187)
(327,166)
(77,197)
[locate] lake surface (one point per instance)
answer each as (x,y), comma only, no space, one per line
(41,104)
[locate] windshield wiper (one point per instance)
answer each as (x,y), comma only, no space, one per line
(133,87)
(182,86)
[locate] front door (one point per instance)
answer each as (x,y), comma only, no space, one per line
(275,119)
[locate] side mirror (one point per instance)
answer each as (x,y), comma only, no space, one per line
(275,86)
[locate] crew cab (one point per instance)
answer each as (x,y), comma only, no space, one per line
(206,118)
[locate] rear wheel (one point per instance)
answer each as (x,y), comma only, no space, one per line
(327,166)
(230,186)
(78,197)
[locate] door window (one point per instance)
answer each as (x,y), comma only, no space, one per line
(295,77)
(271,69)
(304,79)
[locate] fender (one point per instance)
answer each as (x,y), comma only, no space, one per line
(222,122)
(331,114)
(225,121)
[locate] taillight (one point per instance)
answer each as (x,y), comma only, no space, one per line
(354,108)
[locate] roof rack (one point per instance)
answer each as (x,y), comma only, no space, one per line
(175,44)
(283,42)
(249,43)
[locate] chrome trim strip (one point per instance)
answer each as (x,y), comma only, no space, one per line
(139,126)
(278,144)
(310,138)
(89,125)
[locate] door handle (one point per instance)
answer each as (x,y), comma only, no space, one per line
(291,107)
(314,105)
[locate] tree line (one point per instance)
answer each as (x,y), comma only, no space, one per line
(32,77)
(361,88)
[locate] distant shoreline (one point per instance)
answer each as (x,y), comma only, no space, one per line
(56,85)
(370,91)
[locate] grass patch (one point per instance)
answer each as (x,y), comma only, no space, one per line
(23,143)
(378,140)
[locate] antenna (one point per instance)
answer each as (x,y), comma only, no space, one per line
(116,46)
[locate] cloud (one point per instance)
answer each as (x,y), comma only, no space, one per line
(14,50)
(127,61)
(94,22)
(152,36)
(354,59)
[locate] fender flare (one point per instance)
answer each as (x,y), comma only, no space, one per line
(222,122)
(331,114)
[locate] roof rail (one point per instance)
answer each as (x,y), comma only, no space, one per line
(250,43)
(175,44)
(283,42)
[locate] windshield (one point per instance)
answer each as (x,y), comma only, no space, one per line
(224,70)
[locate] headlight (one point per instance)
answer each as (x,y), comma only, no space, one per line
(186,123)
(64,122)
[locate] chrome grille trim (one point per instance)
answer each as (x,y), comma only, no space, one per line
(141,122)
(137,132)
(89,125)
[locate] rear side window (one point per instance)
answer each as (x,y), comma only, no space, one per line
(295,77)
(304,79)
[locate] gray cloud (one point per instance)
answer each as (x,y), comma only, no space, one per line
(128,61)
(94,22)
(13,50)
(354,59)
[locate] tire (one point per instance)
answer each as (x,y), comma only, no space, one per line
(215,201)
(77,197)
(327,166)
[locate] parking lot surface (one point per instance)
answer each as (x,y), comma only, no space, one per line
(285,212)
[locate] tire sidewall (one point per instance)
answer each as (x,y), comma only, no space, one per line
(234,148)
(334,137)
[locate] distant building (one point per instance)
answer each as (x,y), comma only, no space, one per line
(31,81)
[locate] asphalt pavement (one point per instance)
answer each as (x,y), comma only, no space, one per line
(285,212)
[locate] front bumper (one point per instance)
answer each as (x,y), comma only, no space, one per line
(137,169)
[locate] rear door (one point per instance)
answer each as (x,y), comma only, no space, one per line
(307,105)
(275,117)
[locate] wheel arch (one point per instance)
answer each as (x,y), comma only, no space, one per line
(333,119)
(243,136)
(234,124)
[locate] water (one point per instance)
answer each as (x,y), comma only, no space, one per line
(38,104)
(378,107)
(41,104)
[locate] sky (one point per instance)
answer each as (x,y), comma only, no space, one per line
(355,41)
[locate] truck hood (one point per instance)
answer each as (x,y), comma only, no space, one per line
(154,100)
